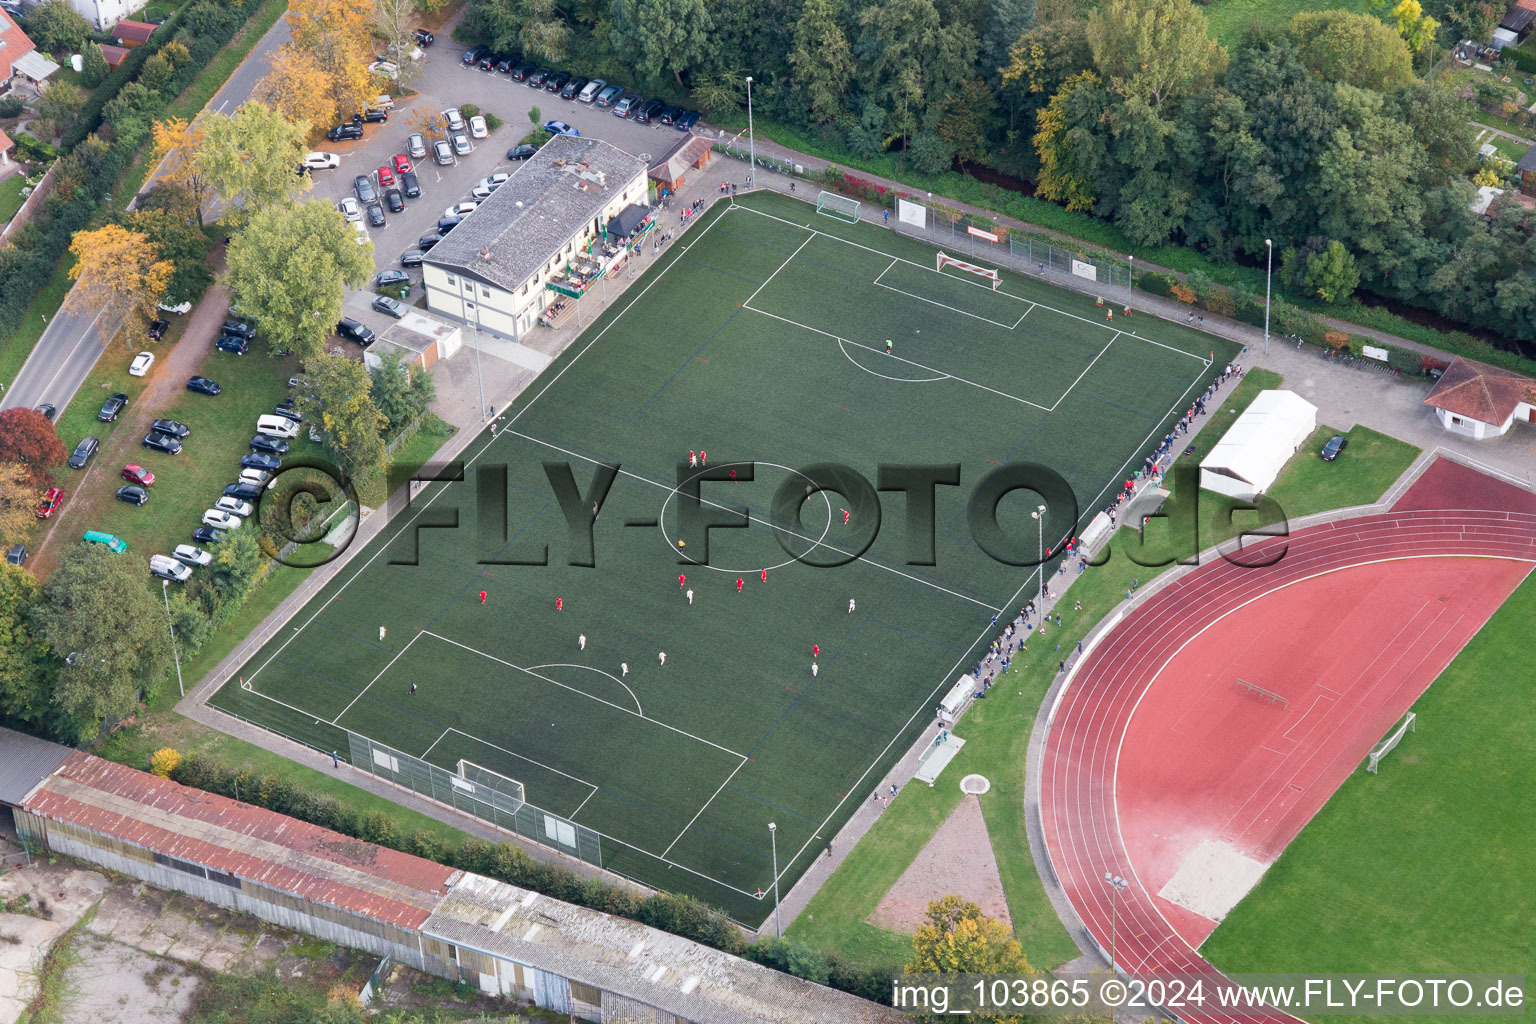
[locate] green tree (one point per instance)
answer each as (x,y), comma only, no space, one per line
(1154,49)
(237,565)
(25,670)
(400,395)
(179,240)
(340,399)
(1417,28)
(54,27)
(661,37)
(191,621)
(109,630)
(94,68)
(1342,46)
(1071,152)
(250,155)
(287,271)
(1328,273)
(822,61)
(910,52)
(57,107)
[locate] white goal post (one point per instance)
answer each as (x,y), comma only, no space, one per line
(1384,748)
(841,207)
(970,268)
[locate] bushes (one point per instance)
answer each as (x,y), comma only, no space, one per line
(11,106)
(34,148)
(164,761)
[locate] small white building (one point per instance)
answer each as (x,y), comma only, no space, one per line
(1248,458)
(419,340)
(496,268)
(1481,401)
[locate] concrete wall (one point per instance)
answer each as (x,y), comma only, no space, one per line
(29,208)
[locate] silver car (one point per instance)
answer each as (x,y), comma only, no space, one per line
(460,143)
(442,152)
(454,118)
(416,145)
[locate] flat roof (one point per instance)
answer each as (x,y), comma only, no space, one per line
(25,760)
(678,975)
(248,842)
(416,332)
(555,194)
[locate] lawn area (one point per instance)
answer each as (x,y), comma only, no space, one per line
(10,196)
(15,349)
(1230,18)
(1425,867)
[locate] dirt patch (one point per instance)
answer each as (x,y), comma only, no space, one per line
(111,983)
(958,859)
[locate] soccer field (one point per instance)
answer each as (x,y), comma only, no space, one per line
(759,338)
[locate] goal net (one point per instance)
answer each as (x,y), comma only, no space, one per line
(1384,748)
(487,787)
(841,207)
(985,273)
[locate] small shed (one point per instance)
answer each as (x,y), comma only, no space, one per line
(1248,458)
(691,153)
(115,54)
(129,34)
(418,339)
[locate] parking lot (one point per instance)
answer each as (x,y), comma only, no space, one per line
(444,82)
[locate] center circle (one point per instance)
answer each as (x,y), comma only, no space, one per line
(672,544)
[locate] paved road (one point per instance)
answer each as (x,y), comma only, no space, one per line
(72,343)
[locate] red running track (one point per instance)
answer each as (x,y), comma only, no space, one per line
(1093,719)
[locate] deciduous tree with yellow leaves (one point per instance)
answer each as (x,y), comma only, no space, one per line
(117,271)
(176,144)
(957,938)
(338,36)
(299,89)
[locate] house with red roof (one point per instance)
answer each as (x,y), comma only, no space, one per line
(1481,401)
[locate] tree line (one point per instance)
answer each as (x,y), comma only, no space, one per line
(1322,134)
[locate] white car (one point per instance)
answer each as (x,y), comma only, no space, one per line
(350,210)
(322,161)
(385,68)
(167,568)
(454,118)
(186,554)
(485,186)
(221,520)
(255,477)
(234,506)
(180,308)
(141,364)
(460,210)
(478,127)
(383,101)
(361,238)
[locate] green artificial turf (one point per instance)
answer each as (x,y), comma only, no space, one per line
(760,336)
(1424,867)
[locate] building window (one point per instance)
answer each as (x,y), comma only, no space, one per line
(1456,421)
(485,292)
(451,279)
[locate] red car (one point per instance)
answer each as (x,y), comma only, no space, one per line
(50,503)
(402,164)
(386,177)
(138,475)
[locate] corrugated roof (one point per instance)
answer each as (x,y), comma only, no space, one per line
(25,760)
(555,193)
(249,842)
(1479,391)
(634,960)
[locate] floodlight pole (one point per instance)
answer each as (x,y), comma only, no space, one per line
(773,839)
(1116,886)
(751,138)
(165,593)
(1269,266)
(1039,516)
(1130,279)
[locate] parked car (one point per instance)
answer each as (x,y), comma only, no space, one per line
(165,567)
(203,386)
(521,71)
(391,278)
(669,114)
(288,411)
(590,90)
(345,132)
(610,95)
(353,331)
(687,120)
(386,176)
(258,460)
(491,182)
(17,555)
(173,427)
(133,495)
(627,105)
(322,161)
(393,307)
(255,477)
(261,444)
(424,37)
(83,452)
(426,242)
(111,407)
(442,152)
(162,443)
(649,110)
(112,543)
(447,224)
(157,329)
(1336,444)
(536,77)
(488,62)
(273,425)
(400,163)
(234,506)
(556,81)
(473,54)
(207,535)
(373,115)
(239,328)
(461,146)
(222,520)
(363,186)
(507,61)
(572,86)
(409,185)
(383,68)
(522,152)
(394,200)
(454,118)
(461,209)
(179,308)
(237,346)
(46,411)
(559,128)
(243,491)
(135,474)
(478,129)
(375,214)
(52,499)
(416,145)
(142,362)
(350,209)
(186,554)
(412,257)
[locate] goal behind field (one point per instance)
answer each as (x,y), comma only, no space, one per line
(841,207)
(1382,749)
(985,273)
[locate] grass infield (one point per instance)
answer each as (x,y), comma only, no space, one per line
(760,338)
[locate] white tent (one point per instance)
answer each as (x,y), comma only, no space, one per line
(1246,461)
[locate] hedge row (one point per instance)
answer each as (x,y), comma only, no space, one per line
(680,915)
